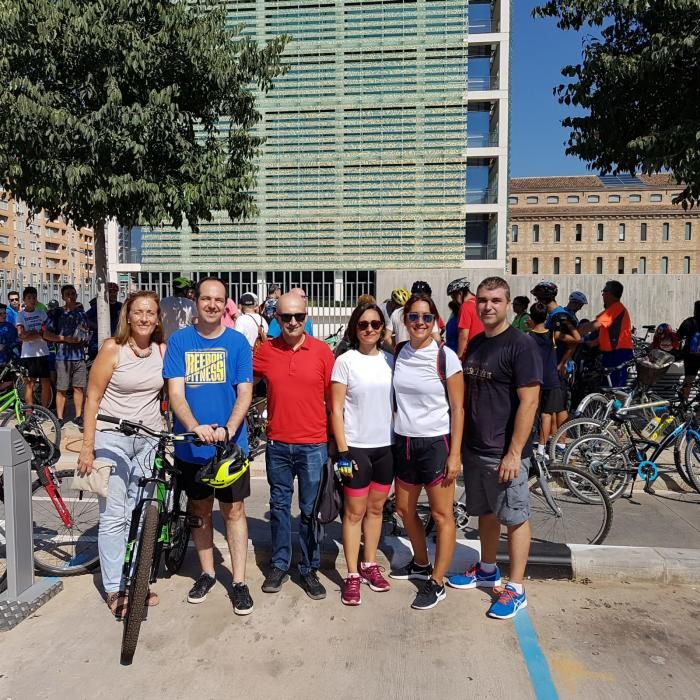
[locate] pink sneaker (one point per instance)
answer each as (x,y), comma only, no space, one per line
(351,591)
(372,575)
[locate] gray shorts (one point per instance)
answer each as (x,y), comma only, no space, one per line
(71,373)
(510,502)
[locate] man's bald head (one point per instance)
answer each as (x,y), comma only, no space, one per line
(291,303)
(299,291)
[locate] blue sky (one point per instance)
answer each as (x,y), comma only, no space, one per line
(539,51)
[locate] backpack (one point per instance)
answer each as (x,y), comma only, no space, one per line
(262,335)
(694,339)
(441,367)
(329,502)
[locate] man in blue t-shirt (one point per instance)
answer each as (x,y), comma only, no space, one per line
(209,369)
(8,337)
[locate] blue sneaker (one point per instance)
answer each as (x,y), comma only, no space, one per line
(474,577)
(508,603)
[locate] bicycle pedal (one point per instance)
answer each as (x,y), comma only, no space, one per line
(194,521)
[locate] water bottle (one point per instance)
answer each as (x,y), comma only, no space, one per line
(664,427)
(651,427)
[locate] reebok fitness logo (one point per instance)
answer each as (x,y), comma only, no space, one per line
(205,367)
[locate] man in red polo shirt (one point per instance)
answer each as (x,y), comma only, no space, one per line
(469,323)
(297,370)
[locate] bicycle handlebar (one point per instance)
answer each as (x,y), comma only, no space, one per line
(130,427)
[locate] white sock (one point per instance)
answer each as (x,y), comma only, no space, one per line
(356,575)
(540,449)
(366,564)
(519,588)
(487,568)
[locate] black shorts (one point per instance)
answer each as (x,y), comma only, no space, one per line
(552,400)
(375,470)
(420,461)
(37,367)
(200,492)
(691,365)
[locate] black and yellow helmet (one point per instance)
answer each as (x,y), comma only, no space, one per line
(225,468)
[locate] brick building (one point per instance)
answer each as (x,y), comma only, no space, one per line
(41,253)
(600,225)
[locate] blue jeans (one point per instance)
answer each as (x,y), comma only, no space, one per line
(284,462)
(613,359)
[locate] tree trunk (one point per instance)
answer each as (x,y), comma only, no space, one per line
(103,319)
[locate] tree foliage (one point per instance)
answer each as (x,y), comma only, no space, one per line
(638,85)
(143,110)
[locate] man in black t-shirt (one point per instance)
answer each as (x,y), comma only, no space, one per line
(503,372)
(689,333)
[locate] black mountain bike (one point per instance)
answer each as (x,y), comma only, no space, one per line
(159,531)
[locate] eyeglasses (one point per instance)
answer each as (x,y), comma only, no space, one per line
(286,318)
(364,325)
(415,318)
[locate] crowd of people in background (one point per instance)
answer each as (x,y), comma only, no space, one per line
(407,400)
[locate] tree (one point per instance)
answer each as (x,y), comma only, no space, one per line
(141,110)
(638,84)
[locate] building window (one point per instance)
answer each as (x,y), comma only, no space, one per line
(535,233)
(577,266)
(512,200)
(535,266)
(593,199)
(621,265)
(655,198)
(579,232)
(557,233)
(514,266)
(532,200)
(688,230)
(664,265)
(635,198)
(642,232)
(552,200)
(572,199)
(614,198)
(642,265)
(555,266)
(514,233)
(601,232)
(686,265)
(665,232)
(621,232)
(599,266)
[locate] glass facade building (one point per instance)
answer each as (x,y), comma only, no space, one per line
(386,142)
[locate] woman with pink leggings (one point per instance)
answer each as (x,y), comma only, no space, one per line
(361,414)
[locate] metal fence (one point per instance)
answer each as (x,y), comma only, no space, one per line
(46,292)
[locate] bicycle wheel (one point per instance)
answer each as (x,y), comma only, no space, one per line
(138,585)
(692,461)
(39,420)
(179,531)
(679,460)
(574,429)
(603,457)
(559,515)
(593,406)
(65,526)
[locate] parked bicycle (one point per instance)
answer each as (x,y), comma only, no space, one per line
(159,530)
(256,422)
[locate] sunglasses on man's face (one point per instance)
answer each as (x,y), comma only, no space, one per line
(286,318)
(416,318)
(364,325)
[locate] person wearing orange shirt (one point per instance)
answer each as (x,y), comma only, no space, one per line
(614,327)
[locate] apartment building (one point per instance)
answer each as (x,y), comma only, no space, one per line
(590,225)
(41,253)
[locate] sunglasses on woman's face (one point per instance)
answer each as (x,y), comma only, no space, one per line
(364,325)
(286,318)
(416,318)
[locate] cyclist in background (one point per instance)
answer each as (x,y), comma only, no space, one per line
(521,321)
(13,307)
(125,382)
(361,417)
(469,323)
(689,333)
(9,341)
(269,306)
(577,300)
(666,339)
(456,290)
(428,421)
(178,311)
(35,351)
(399,297)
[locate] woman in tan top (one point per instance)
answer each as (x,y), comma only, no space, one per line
(125,382)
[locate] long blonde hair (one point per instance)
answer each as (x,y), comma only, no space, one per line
(121,337)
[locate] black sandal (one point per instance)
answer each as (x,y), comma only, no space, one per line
(117,603)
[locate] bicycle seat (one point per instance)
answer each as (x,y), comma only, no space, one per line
(649,328)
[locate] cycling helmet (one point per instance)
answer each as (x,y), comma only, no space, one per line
(400,296)
(545,291)
(421,287)
(225,468)
(458,285)
(579,297)
(53,304)
(663,329)
(182,284)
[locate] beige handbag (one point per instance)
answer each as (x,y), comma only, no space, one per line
(96,481)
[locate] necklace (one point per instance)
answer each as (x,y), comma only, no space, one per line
(138,352)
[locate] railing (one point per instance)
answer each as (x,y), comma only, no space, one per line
(476,140)
(483,82)
(482,196)
(483,26)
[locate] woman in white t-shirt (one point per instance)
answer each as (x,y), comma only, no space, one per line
(361,415)
(428,422)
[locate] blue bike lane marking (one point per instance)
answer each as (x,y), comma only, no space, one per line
(535,660)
